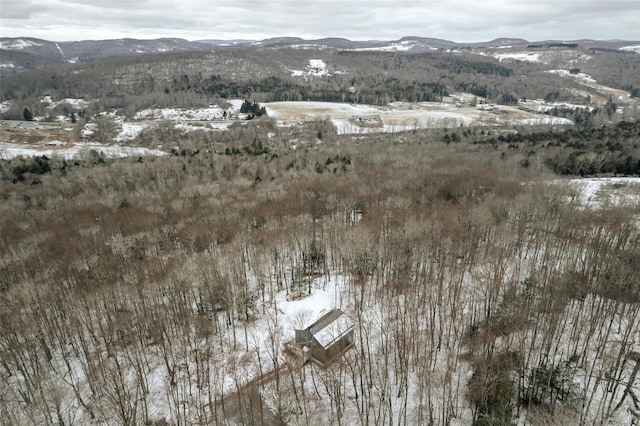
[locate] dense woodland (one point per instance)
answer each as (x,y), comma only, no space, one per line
(145,290)
(476,298)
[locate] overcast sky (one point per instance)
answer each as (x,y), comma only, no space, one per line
(457,20)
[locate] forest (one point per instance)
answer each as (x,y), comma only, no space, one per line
(191,79)
(137,290)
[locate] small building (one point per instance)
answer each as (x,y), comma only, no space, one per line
(327,338)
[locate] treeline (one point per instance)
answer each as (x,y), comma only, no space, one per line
(274,89)
(460,66)
(593,151)
(580,163)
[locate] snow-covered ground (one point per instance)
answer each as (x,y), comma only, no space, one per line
(520,56)
(210,113)
(541,106)
(633,48)
(315,68)
(4,106)
(9,151)
(401,46)
(400,116)
(17,44)
(74,102)
(585,79)
(213,112)
(207,127)
(597,192)
(130,131)
(578,76)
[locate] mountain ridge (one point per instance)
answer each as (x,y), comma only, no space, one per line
(26,53)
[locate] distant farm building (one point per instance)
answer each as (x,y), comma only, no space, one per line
(327,338)
(368,120)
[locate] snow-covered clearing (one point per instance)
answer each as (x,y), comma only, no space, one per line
(578,76)
(9,150)
(588,81)
(541,106)
(212,118)
(315,68)
(207,127)
(598,192)
(520,56)
(130,131)
(17,44)
(214,112)
(76,103)
(401,46)
(633,48)
(399,116)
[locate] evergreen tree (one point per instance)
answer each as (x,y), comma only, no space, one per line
(28,116)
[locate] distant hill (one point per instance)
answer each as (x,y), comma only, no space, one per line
(27,53)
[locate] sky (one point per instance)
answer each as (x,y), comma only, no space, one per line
(456,20)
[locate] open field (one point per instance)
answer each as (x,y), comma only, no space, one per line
(399,117)
(50,138)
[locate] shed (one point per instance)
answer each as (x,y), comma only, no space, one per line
(328,337)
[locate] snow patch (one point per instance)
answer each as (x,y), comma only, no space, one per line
(130,131)
(17,44)
(521,56)
(402,46)
(60,50)
(538,121)
(633,48)
(597,192)
(315,68)
(579,76)
(5,106)
(213,112)
(9,151)
(400,117)
(539,105)
(76,103)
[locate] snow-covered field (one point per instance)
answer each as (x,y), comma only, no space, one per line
(588,81)
(398,117)
(74,102)
(633,48)
(213,112)
(130,131)
(9,151)
(401,46)
(520,56)
(541,106)
(597,192)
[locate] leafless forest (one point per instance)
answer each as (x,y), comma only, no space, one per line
(478,288)
(483,289)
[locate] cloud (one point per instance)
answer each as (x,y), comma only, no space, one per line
(459,20)
(20,10)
